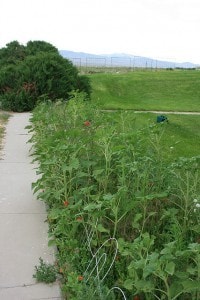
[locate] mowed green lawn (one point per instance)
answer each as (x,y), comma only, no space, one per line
(176,90)
(181,135)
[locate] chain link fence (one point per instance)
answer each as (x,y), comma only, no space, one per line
(92,64)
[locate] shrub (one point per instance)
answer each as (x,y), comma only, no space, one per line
(42,71)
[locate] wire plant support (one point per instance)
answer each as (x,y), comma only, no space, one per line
(97,269)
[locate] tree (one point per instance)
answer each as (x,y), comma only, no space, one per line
(33,47)
(12,53)
(41,70)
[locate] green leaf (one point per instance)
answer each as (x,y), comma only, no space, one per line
(181,275)
(169,248)
(98,172)
(192,270)
(148,270)
(148,240)
(137,218)
(133,273)
(156,196)
(144,286)
(170,267)
(190,286)
(108,197)
(74,163)
(153,266)
(92,206)
(176,289)
(138,264)
(153,257)
(128,284)
(152,213)
(64,168)
(100,228)
(55,213)
(81,174)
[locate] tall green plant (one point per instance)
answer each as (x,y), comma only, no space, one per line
(119,213)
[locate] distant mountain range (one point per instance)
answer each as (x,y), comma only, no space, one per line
(121,60)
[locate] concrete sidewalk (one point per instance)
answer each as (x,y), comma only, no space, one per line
(23,233)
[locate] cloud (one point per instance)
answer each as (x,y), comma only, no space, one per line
(154,28)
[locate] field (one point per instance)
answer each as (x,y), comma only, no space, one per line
(148,90)
(155,90)
(122,191)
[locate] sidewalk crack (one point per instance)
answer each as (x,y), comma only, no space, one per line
(49,298)
(17,286)
(19,213)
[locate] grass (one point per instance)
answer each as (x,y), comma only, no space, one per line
(3,119)
(165,90)
(176,90)
(181,136)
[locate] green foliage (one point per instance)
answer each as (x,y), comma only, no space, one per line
(12,54)
(45,272)
(27,73)
(34,47)
(115,201)
(3,119)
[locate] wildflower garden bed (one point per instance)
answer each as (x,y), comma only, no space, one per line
(124,218)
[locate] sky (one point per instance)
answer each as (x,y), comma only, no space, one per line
(160,29)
